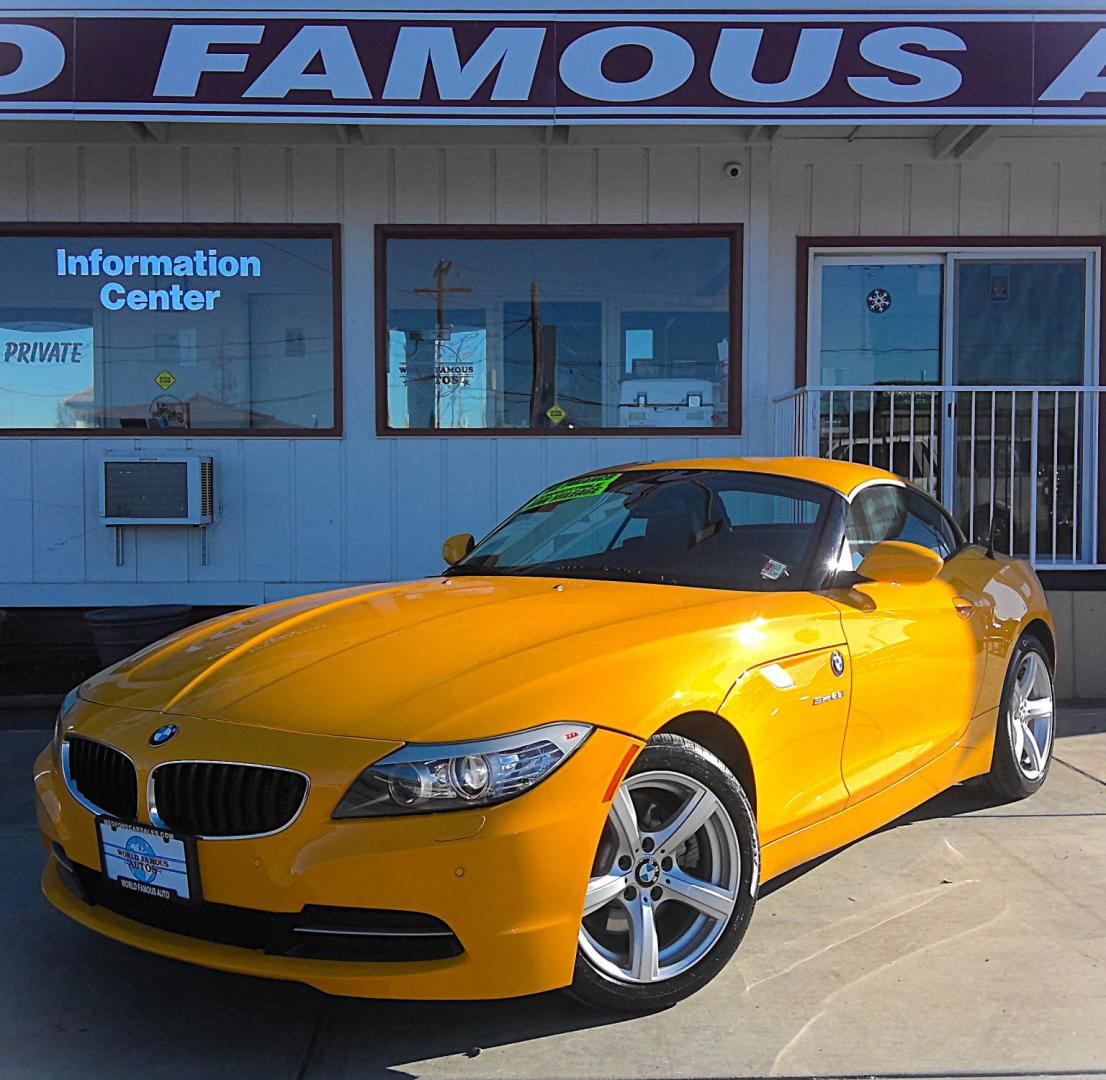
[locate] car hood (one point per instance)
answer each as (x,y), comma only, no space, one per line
(440,660)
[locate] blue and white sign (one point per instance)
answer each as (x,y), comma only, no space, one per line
(145,860)
(45,368)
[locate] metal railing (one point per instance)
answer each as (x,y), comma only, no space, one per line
(1024,458)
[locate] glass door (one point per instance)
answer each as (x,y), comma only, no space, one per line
(1018,332)
(876,329)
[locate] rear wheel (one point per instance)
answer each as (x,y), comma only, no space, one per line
(1026,724)
(673,884)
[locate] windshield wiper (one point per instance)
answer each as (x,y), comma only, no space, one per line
(474,571)
(601,572)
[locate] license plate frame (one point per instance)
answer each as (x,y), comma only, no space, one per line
(160,862)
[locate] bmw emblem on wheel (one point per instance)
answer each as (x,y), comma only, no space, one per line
(163,734)
(837,663)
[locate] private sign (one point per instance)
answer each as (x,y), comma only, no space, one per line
(770,66)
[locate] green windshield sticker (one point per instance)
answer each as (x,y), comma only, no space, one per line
(573,489)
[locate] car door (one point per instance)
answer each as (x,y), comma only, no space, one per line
(916,649)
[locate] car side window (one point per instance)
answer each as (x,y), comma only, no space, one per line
(927,525)
(890,512)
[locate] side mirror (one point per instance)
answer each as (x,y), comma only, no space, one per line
(899,563)
(457,547)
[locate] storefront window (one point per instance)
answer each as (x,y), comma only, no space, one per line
(556,331)
(127,332)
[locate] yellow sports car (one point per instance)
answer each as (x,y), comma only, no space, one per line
(569,761)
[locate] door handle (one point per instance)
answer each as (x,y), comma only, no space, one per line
(964,607)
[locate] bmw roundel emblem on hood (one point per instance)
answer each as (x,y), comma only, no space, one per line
(163,734)
(837,663)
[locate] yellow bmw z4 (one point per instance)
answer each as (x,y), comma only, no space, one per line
(569,761)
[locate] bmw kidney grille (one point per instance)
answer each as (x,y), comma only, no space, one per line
(102,777)
(209,799)
(217,799)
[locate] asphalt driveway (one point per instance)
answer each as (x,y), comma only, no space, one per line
(964,940)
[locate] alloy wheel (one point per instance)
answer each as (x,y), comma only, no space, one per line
(665,879)
(1031,716)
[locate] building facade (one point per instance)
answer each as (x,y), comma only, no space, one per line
(387,312)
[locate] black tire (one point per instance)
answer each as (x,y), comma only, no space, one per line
(675,754)
(1007,780)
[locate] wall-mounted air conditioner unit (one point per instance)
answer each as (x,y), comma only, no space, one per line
(157,489)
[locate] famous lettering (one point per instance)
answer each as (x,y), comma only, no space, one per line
(1046,66)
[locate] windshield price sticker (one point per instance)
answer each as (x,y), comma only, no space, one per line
(573,489)
(773,570)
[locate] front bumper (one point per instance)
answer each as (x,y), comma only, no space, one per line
(509,881)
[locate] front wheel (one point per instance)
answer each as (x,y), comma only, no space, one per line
(674,881)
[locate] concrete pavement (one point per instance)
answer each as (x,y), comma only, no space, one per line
(965,940)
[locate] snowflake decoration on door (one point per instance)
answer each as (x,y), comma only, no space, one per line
(879,300)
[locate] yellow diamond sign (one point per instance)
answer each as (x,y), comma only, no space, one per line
(165,379)
(555,413)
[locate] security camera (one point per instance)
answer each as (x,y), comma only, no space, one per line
(732,170)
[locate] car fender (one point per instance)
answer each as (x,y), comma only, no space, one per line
(790,714)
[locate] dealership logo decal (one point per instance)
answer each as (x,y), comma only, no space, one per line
(143,864)
(163,734)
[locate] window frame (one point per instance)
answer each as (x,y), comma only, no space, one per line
(201,230)
(731,231)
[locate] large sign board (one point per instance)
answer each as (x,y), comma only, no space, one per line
(765,67)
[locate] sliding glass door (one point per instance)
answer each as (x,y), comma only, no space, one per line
(971,373)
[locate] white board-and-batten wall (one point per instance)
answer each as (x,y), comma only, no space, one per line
(298,515)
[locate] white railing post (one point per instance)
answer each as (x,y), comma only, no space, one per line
(1055,467)
(971,478)
(1034,468)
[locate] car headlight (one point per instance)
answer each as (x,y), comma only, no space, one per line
(64,710)
(460,776)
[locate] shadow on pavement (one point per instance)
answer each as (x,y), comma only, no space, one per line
(966,798)
(406,1032)
(1071,722)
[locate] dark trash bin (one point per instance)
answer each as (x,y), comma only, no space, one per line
(120,631)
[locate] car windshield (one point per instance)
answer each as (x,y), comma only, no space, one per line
(704,528)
